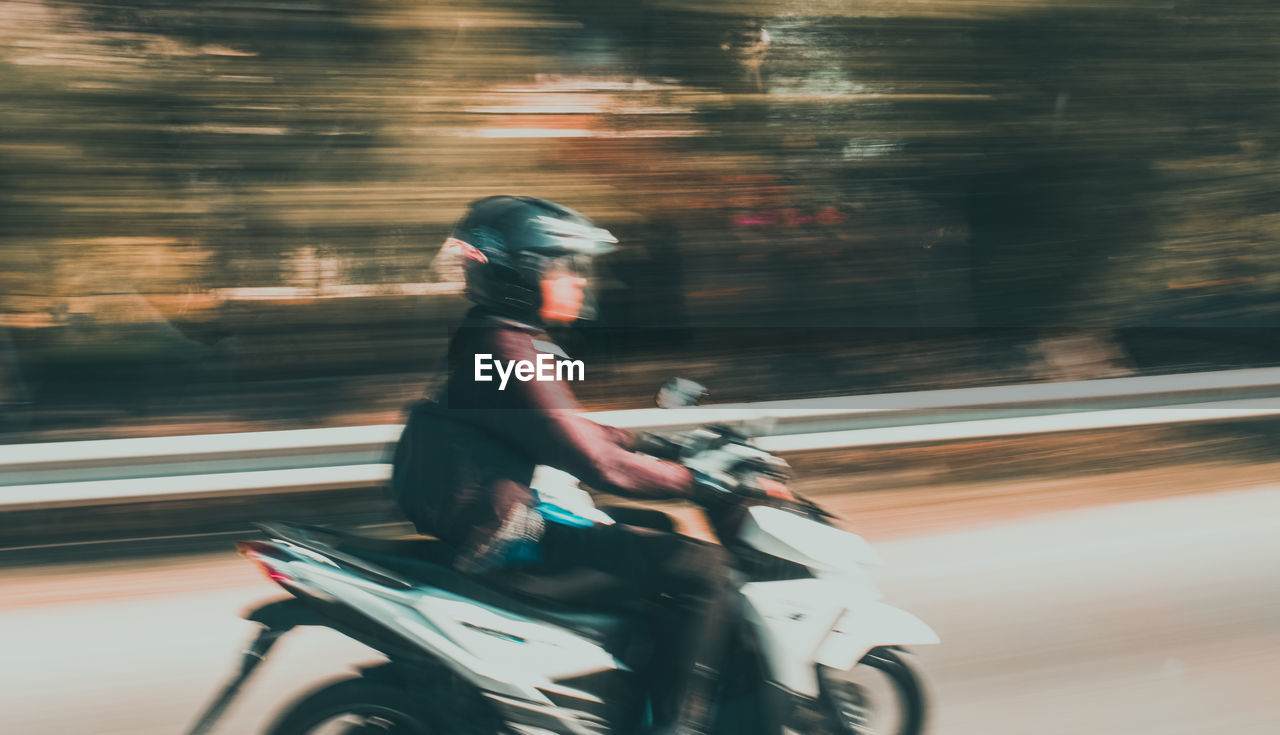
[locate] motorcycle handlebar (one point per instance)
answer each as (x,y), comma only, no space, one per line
(769,470)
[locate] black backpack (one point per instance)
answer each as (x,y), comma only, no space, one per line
(411,466)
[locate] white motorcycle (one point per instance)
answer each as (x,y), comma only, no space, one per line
(815,651)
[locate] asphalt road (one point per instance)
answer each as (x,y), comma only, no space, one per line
(1154,617)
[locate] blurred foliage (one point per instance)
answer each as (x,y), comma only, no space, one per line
(235,190)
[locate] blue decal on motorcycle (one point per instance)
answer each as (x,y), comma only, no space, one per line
(556,514)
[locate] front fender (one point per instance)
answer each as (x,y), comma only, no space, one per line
(868,626)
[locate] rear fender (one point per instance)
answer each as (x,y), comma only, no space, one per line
(286,614)
(868,626)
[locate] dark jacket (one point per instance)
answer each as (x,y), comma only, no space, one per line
(466,458)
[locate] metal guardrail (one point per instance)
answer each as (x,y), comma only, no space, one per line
(125,470)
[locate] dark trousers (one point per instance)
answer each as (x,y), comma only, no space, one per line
(690,577)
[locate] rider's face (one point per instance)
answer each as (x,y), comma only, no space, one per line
(562,294)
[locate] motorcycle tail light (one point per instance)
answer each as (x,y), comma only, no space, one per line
(266,558)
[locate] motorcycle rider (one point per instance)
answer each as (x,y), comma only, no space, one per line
(465,462)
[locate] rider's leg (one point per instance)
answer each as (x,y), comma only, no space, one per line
(699,574)
(695,575)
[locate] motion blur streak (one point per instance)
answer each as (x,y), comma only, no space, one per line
(1151,617)
(215,212)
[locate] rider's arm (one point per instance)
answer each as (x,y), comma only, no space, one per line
(546,424)
(654,445)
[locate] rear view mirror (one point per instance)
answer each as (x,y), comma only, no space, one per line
(678,393)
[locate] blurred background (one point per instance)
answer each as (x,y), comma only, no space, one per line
(224,215)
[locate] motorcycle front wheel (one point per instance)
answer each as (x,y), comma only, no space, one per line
(882,695)
(356,706)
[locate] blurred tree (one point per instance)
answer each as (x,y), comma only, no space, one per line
(179,171)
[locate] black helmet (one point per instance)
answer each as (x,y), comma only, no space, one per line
(507,243)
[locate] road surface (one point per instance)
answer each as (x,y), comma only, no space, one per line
(1160,616)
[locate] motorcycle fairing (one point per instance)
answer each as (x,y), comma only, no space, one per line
(867,626)
(790,620)
(832,619)
(823,548)
(497,650)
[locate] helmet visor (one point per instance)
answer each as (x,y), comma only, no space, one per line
(575,237)
(566,266)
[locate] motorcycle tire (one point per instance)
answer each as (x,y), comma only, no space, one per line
(909,690)
(365,706)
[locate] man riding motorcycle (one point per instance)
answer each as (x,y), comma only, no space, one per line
(465,462)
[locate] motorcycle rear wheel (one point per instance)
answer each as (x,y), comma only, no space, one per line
(357,706)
